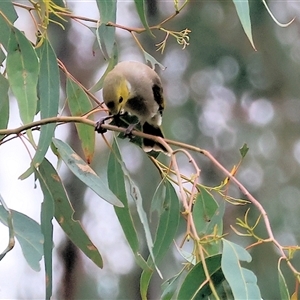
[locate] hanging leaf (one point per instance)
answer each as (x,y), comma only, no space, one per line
(243,282)
(8,9)
(208,217)
(8,16)
(140,7)
(171,285)
(116,183)
(49,83)
(165,234)
(47,213)
(22,71)
(204,209)
(243,11)
(64,213)
(284,292)
(195,285)
(85,173)
(106,34)
(29,235)
(79,104)
(133,192)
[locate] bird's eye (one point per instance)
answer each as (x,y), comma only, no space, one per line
(110,105)
(120,99)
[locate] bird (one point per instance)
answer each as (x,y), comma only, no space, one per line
(135,88)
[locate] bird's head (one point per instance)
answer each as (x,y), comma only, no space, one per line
(116,91)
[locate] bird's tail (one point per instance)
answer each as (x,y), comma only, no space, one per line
(149,145)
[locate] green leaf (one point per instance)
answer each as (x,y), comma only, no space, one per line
(107,10)
(168,222)
(133,192)
(115,176)
(170,286)
(140,7)
(243,282)
(106,34)
(284,292)
(85,173)
(48,84)
(8,9)
(4,102)
(243,11)
(244,150)
(4,31)
(29,235)
(217,219)
(190,288)
(158,198)
(47,213)
(208,216)
(204,209)
(165,234)
(113,60)
(22,71)
(64,213)
(79,104)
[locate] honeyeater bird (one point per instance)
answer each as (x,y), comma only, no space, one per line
(135,88)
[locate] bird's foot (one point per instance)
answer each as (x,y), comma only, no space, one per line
(99,124)
(128,131)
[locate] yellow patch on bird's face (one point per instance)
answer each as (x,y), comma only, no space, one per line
(115,93)
(123,94)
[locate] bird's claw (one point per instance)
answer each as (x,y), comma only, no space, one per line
(99,127)
(128,131)
(99,124)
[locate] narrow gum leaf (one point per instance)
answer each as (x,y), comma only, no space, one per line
(64,212)
(23,71)
(79,104)
(243,11)
(49,82)
(85,173)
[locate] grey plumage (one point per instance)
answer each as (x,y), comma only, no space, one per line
(136,88)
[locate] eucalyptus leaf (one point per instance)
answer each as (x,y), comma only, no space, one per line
(140,7)
(85,173)
(64,213)
(79,104)
(47,213)
(22,71)
(165,234)
(116,183)
(29,235)
(284,292)
(243,11)
(195,285)
(243,282)
(106,34)
(48,88)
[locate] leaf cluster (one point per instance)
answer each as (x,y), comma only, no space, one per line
(213,269)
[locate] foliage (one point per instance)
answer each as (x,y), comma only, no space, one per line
(213,268)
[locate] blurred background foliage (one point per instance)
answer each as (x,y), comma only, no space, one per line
(220,94)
